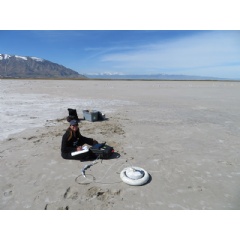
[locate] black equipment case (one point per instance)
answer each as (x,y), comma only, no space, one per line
(102,150)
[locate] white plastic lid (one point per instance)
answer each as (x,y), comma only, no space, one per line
(134,174)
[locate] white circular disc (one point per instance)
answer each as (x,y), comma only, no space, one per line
(134,176)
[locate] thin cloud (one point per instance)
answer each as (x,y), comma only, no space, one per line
(201,51)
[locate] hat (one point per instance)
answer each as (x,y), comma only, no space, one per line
(74,122)
(70,118)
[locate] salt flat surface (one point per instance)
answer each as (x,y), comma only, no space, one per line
(186,135)
(19,111)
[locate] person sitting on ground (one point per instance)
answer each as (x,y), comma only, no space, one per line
(72,141)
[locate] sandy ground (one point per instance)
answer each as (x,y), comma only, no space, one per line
(185,134)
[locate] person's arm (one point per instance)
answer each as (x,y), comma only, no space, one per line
(85,140)
(64,147)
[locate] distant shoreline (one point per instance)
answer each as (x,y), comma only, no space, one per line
(113,79)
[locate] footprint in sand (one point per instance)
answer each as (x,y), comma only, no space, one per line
(8,190)
(102,195)
(71,193)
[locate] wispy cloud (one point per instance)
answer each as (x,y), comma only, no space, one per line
(201,53)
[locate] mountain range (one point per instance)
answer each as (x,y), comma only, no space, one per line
(150,77)
(14,66)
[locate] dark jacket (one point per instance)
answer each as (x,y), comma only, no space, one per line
(71,141)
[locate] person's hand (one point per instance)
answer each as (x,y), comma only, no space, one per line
(79,148)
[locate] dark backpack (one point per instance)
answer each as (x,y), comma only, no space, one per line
(72,115)
(102,150)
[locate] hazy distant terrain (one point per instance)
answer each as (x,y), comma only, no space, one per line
(152,77)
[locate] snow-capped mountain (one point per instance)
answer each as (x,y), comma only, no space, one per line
(7,56)
(15,66)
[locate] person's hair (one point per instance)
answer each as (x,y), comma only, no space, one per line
(70,132)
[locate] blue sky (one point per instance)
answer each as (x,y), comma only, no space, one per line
(190,52)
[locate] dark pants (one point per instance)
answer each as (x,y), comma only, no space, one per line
(88,156)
